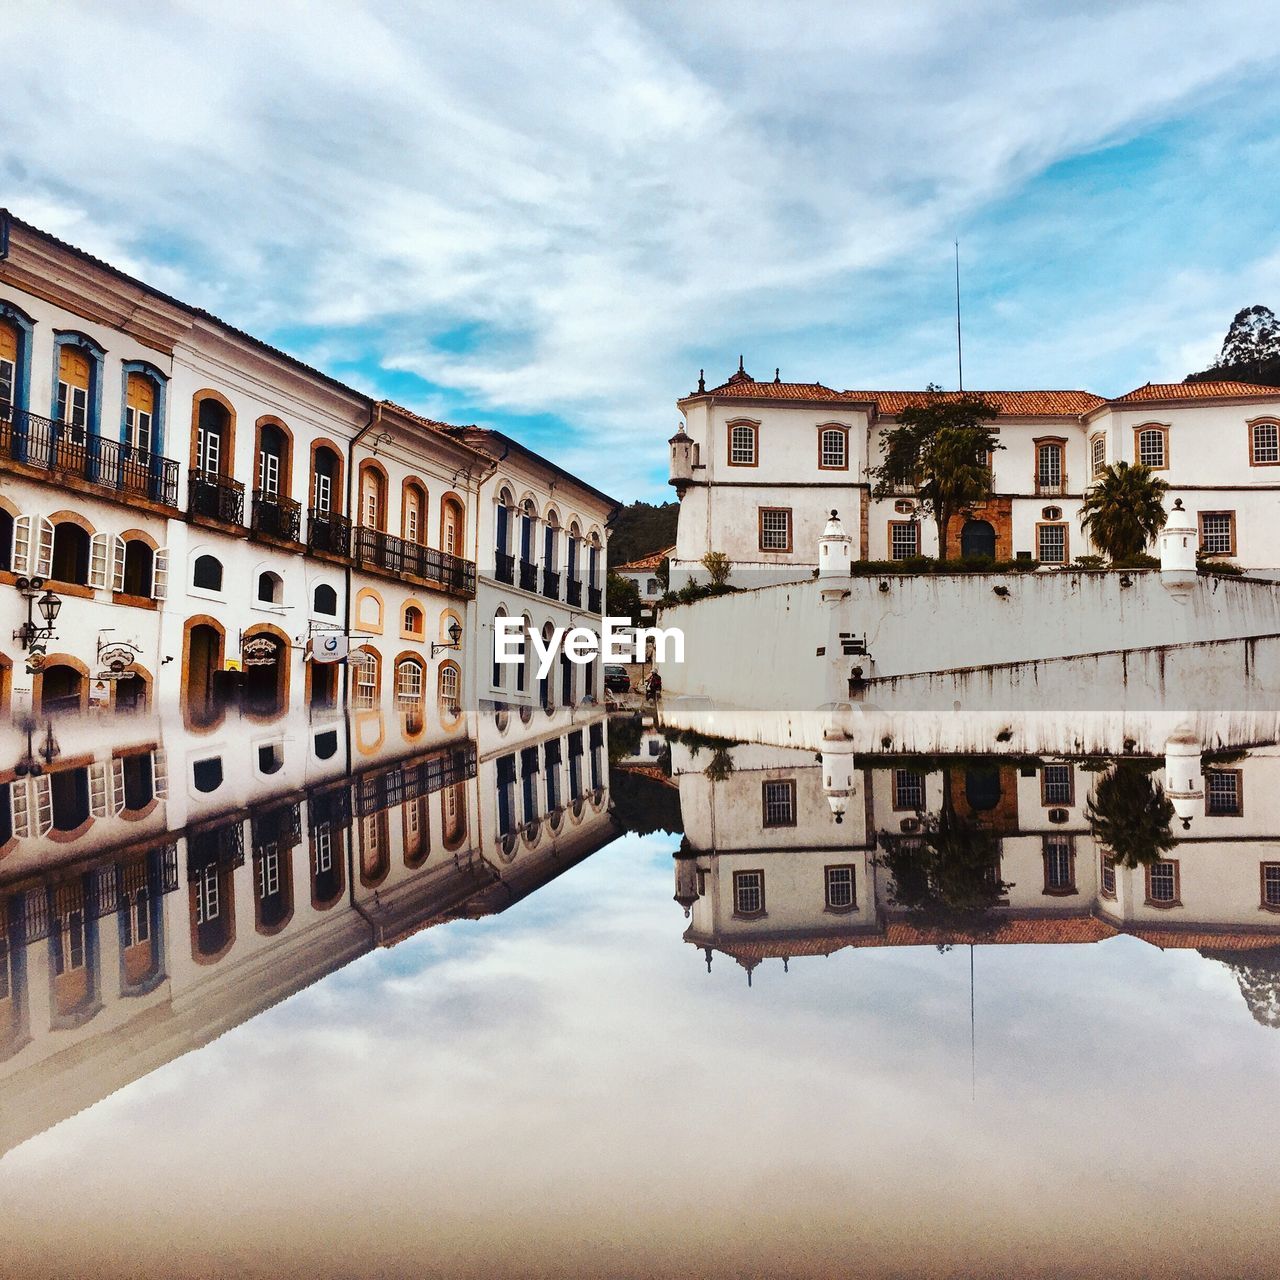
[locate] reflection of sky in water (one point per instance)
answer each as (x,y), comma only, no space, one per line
(563,1088)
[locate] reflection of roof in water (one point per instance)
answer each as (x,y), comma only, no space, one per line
(1258,978)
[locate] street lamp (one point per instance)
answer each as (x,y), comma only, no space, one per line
(455,639)
(49,604)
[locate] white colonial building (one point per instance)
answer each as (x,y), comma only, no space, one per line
(217,523)
(758,466)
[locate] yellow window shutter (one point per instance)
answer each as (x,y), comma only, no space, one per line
(141,394)
(8,342)
(73,368)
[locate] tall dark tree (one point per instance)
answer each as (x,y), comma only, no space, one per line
(942,450)
(1123,510)
(1254,336)
(622,597)
(1130,815)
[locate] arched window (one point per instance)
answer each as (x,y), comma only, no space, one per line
(270,588)
(1050,468)
(373,498)
(544,682)
(273,461)
(326,467)
(833,449)
(449,693)
(742,444)
(206,573)
(414,516)
(413,620)
(61,688)
(409,682)
(206,775)
(213,438)
(528,518)
(416,824)
(10,341)
(76,369)
(139,568)
(70,554)
(325,600)
(365,679)
(139,412)
(1151,447)
(452,526)
(499,668)
(453,805)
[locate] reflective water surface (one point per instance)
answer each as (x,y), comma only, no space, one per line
(571,994)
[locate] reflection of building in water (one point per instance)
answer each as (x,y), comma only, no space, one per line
(767,872)
(156,894)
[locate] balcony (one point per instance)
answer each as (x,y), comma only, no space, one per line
(528,576)
(595,599)
(1046,488)
(573,592)
(505,569)
(371,548)
(551,584)
(276,517)
(328,532)
(68,452)
(215,497)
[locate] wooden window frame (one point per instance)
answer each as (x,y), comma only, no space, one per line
(790,784)
(1070,889)
(1262,887)
(1060,443)
(1231,515)
(901,524)
(791,531)
(1096,469)
(1238,811)
(1254,423)
(1176,900)
(1163,429)
(1065,526)
(1112,893)
(755,442)
(893,783)
(1071,773)
(749,915)
(844,431)
(853,888)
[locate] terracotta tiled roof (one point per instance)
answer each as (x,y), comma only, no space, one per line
(750,389)
(1012,404)
(1222,940)
(1196,391)
(645,563)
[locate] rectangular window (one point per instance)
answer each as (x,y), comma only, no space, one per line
(6,970)
(1051,543)
(1059,865)
(1271,885)
(748,893)
(742,445)
(323,836)
(1151,448)
(323,496)
(1108,876)
(1098,450)
(268,474)
(1162,883)
(7,379)
(137,424)
(779,801)
(840,895)
(775,528)
(73,405)
(1049,468)
(1265,443)
(208,450)
(1218,533)
(834,455)
(137,918)
(1222,792)
(269,873)
(904,539)
(908,790)
(1057,784)
(207,900)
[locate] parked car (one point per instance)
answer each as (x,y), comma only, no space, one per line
(616,679)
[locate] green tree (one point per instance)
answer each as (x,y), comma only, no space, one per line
(1130,815)
(942,450)
(622,597)
(1123,510)
(718,568)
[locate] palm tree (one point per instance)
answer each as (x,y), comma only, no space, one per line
(1130,815)
(1123,510)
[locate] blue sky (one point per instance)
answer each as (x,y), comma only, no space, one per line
(547,219)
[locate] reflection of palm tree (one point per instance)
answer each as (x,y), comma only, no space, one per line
(947,875)
(1130,815)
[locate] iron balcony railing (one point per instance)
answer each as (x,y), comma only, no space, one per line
(573,592)
(1051,488)
(215,497)
(551,584)
(276,516)
(374,549)
(528,575)
(506,568)
(74,451)
(327,531)
(594,600)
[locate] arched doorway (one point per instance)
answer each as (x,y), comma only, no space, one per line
(61,689)
(201,687)
(265,660)
(131,692)
(982,788)
(978,538)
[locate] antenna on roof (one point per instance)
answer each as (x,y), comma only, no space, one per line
(959,347)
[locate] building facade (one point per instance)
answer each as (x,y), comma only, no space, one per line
(758,467)
(220,524)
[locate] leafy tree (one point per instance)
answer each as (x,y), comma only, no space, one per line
(716,563)
(641,529)
(1130,815)
(1254,336)
(941,449)
(947,875)
(622,597)
(663,573)
(1123,509)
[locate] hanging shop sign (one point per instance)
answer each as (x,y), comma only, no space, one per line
(114,661)
(260,652)
(329,646)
